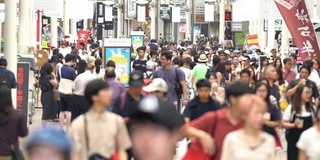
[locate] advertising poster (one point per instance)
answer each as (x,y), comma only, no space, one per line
(253,41)
(23,88)
(118,50)
(137,39)
(82,37)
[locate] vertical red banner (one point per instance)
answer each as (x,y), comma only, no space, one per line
(82,37)
(296,16)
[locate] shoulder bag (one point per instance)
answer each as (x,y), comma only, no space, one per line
(178,86)
(65,85)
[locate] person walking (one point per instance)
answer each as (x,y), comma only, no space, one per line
(48,81)
(12,125)
(7,77)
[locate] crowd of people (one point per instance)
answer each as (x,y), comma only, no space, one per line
(230,104)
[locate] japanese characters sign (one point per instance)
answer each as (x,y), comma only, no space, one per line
(295,14)
(23,88)
(82,37)
(253,40)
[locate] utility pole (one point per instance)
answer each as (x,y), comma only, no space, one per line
(222,21)
(23,30)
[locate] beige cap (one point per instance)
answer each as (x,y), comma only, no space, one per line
(157,84)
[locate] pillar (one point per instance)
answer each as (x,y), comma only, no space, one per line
(85,24)
(262,35)
(188,21)
(284,41)
(32,25)
(73,28)
(120,20)
(54,31)
(10,43)
(222,21)
(153,29)
(251,23)
(65,20)
(271,33)
(23,30)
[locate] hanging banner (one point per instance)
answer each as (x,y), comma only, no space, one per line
(175,14)
(131,9)
(100,13)
(141,13)
(118,50)
(253,41)
(108,13)
(209,12)
(296,16)
(82,37)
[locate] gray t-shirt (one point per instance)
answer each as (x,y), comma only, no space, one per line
(170,76)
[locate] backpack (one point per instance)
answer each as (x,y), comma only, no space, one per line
(4,79)
(147,80)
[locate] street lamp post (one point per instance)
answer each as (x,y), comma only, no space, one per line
(188,20)
(174,3)
(222,22)
(153,5)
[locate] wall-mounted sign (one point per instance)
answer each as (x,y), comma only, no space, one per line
(175,14)
(165,12)
(236,26)
(100,13)
(141,13)
(131,9)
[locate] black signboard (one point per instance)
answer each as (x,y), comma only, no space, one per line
(23,88)
(100,13)
(108,25)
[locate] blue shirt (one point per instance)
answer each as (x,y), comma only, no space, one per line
(67,72)
(11,77)
(117,88)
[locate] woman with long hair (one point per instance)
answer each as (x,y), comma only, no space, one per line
(277,63)
(297,118)
(253,77)
(12,124)
(264,62)
(82,65)
(98,70)
(283,85)
(217,92)
(250,142)
(48,81)
(309,141)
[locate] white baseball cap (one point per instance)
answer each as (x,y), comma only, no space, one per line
(150,65)
(157,84)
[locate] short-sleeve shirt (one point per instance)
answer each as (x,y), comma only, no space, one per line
(45,83)
(309,142)
(219,132)
(275,116)
(140,65)
(67,72)
(194,111)
(289,76)
(103,130)
(199,71)
(171,76)
(310,84)
(11,77)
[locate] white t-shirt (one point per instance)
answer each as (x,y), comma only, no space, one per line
(309,142)
(235,148)
(188,75)
(64,51)
(288,115)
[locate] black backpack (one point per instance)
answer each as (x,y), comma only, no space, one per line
(4,79)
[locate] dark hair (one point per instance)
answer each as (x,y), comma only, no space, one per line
(98,64)
(209,74)
(308,63)
(203,83)
(294,56)
(278,59)
(221,67)
(143,48)
(3,62)
(166,54)
(60,56)
(192,65)
(296,100)
(46,69)
(110,72)
(286,60)
(111,63)
(81,67)
(152,52)
(196,57)
(262,60)
(254,75)
(280,76)
(305,67)
(267,99)
(215,60)
(188,60)
(237,89)
(176,61)
(182,62)
(93,88)
(69,57)
(6,106)
(245,71)
(55,51)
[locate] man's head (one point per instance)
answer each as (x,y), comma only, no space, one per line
(141,51)
(97,92)
(304,72)
(203,88)
(228,65)
(270,73)
(287,63)
(136,82)
(245,76)
(3,62)
(258,52)
(293,58)
(222,55)
(49,144)
(63,45)
(110,72)
(236,90)
(154,130)
(70,59)
(157,87)
(165,58)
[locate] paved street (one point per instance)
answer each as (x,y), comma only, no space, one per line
(280,155)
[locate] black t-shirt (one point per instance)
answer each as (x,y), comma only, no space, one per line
(140,65)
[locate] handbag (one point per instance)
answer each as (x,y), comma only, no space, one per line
(56,94)
(178,86)
(65,85)
(195,150)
